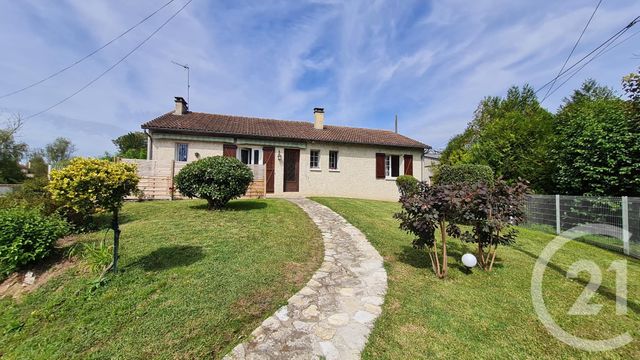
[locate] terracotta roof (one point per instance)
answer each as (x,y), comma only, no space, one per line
(240,126)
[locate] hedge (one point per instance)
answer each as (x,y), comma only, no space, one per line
(463,173)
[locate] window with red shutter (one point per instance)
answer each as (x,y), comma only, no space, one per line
(380,165)
(408,165)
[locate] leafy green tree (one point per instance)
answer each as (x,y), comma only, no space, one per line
(59,151)
(37,164)
(512,135)
(132,145)
(11,152)
(88,186)
(597,146)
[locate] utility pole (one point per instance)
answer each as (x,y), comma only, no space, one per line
(185,66)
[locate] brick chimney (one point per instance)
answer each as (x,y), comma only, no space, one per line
(318,118)
(181,106)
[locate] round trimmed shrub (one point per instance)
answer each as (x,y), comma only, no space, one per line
(27,236)
(463,173)
(407,184)
(216,179)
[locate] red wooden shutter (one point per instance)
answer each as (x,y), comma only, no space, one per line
(379,166)
(408,165)
(229,150)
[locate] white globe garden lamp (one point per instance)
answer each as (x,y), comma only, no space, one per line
(469,260)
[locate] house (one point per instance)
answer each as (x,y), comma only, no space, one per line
(299,158)
(431,161)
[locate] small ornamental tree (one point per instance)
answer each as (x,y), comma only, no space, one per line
(492,211)
(424,211)
(216,179)
(89,186)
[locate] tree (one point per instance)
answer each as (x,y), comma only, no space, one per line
(132,145)
(512,135)
(88,186)
(11,152)
(59,151)
(424,212)
(216,179)
(37,164)
(491,210)
(597,145)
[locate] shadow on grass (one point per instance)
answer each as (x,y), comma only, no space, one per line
(419,258)
(602,290)
(170,257)
(242,205)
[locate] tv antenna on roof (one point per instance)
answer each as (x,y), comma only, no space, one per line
(188,84)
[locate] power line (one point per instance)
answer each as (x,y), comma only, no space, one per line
(112,66)
(86,56)
(605,43)
(575,72)
(572,50)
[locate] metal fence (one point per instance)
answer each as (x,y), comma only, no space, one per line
(557,213)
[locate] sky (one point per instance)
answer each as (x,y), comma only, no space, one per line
(429,62)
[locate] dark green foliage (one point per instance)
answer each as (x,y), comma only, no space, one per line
(37,164)
(11,152)
(463,173)
(512,135)
(32,194)
(597,145)
(216,179)
(132,145)
(407,184)
(26,236)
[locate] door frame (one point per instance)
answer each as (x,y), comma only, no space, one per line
(288,155)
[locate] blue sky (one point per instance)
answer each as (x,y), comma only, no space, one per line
(430,62)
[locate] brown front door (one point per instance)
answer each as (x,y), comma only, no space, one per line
(268,156)
(229,150)
(291,170)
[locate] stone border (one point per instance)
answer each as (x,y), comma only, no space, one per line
(332,316)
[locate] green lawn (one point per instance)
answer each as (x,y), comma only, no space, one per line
(475,314)
(194,283)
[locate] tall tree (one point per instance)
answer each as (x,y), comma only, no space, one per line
(11,152)
(132,145)
(37,164)
(59,151)
(512,135)
(597,145)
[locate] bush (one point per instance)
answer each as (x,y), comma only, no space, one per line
(32,194)
(463,173)
(216,179)
(89,186)
(407,184)
(27,236)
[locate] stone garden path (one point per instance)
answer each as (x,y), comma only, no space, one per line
(332,316)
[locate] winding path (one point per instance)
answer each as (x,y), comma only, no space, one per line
(332,316)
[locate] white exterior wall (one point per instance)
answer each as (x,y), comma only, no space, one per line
(355,177)
(165,149)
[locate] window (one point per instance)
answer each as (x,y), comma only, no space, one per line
(182,152)
(314,159)
(250,156)
(392,166)
(333,160)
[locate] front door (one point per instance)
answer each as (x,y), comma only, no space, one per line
(268,158)
(291,170)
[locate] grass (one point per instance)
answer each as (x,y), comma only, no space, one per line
(193,284)
(474,314)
